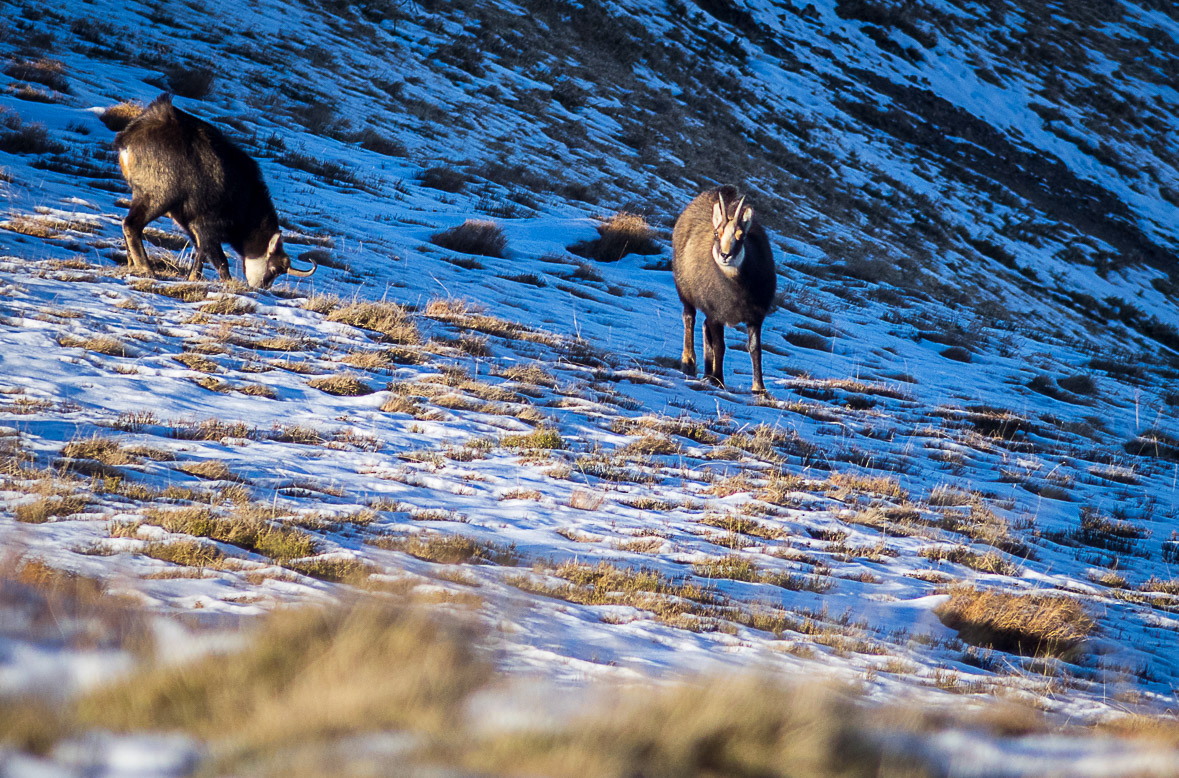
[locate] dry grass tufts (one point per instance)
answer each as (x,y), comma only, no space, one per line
(366,359)
(1157,730)
(613,468)
(735,567)
(726,487)
(389,319)
(306,678)
(296,433)
(983,525)
(44,71)
(1166,586)
(482,238)
(520,493)
(472,345)
(311,682)
(647,503)
(732,567)
(542,438)
(189,292)
(250,528)
(534,375)
(623,233)
(213,429)
(35,226)
(653,445)
(13,456)
(322,303)
(586,501)
(272,343)
(26,406)
(718,727)
(118,116)
(450,549)
(32,725)
(948,496)
(43,509)
(256,390)
(607,581)
(104,450)
(472,316)
(398,403)
(135,421)
(640,545)
(341,385)
(490,392)
(302,367)
(744,526)
(683,604)
(100,344)
(1030,624)
(49,580)
(59,608)
(230,305)
(335,569)
(211,470)
(212,384)
(186,553)
(198,362)
(781,488)
(1110,578)
(772,444)
(990,562)
(683,426)
(881,486)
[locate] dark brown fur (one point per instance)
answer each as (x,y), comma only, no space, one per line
(180,166)
(743,297)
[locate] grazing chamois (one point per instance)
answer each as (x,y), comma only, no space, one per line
(724,266)
(181,166)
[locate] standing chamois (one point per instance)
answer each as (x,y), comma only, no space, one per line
(181,166)
(723,265)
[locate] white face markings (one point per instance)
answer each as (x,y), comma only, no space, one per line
(728,246)
(125,160)
(257,267)
(255,270)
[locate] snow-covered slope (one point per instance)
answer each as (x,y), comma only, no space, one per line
(974,213)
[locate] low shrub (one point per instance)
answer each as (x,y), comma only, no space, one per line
(17,137)
(118,116)
(1031,624)
(482,238)
(957,353)
(623,233)
(341,385)
(47,72)
(541,438)
(387,318)
(444,178)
